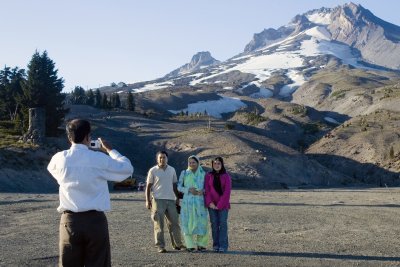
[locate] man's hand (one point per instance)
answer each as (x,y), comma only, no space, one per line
(105,146)
(148,204)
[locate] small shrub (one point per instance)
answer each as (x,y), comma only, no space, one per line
(299,110)
(229,126)
(391,152)
(339,94)
(311,128)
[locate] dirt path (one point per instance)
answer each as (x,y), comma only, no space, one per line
(337,227)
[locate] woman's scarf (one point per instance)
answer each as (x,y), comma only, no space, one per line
(196,177)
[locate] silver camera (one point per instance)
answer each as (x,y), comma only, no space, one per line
(95,144)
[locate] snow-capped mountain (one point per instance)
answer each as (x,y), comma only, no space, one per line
(199,61)
(349,33)
(277,62)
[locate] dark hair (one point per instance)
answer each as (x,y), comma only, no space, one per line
(161,152)
(217,175)
(223,170)
(77,130)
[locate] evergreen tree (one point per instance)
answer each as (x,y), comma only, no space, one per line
(98,101)
(117,101)
(130,104)
(78,96)
(105,103)
(112,100)
(11,92)
(43,89)
(90,98)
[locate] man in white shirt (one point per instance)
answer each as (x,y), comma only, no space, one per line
(162,181)
(84,197)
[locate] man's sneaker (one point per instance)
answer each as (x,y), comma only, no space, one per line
(221,250)
(162,250)
(216,249)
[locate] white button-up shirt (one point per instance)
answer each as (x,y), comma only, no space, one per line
(83,174)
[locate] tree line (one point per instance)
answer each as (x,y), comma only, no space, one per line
(94,98)
(40,86)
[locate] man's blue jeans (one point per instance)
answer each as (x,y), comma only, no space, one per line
(219,228)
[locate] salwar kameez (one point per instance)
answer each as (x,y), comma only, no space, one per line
(194,215)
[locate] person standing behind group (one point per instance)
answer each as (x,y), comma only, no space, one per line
(218,186)
(82,175)
(194,221)
(162,181)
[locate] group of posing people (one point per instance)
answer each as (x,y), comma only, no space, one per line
(199,192)
(82,175)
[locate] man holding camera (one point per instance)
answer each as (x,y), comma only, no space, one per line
(84,197)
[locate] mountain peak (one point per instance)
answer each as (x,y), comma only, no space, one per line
(198,61)
(354,7)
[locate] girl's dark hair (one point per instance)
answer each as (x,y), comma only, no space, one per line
(77,129)
(217,175)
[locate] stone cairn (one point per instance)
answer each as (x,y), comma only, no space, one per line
(37,126)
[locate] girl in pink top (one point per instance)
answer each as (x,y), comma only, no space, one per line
(217,188)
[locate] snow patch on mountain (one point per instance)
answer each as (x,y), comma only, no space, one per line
(298,80)
(214,108)
(319,32)
(315,47)
(264,93)
(320,18)
(153,86)
(331,120)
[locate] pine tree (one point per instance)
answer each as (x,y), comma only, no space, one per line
(78,96)
(117,101)
(130,104)
(90,97)
(11,92)
(98,101)
(43,89)
(105,103)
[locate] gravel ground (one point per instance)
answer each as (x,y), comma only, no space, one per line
(324,227)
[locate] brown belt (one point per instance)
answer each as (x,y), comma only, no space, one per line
(72,212)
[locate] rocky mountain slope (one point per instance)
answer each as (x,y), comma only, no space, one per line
(328,65)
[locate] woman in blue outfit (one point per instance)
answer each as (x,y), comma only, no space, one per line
(193,217)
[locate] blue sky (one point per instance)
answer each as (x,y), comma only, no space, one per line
(96,42)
